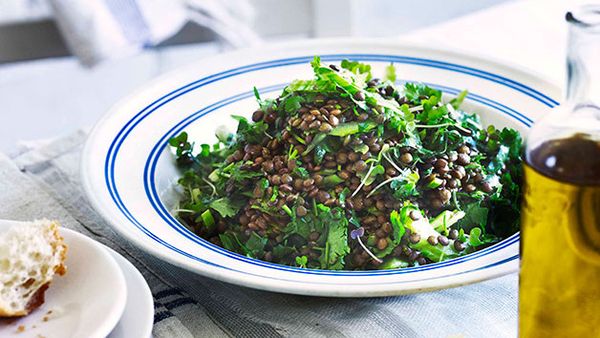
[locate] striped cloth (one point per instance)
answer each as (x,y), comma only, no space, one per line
(43,181)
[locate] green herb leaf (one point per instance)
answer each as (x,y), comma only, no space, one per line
(414,92)
(332,180)
(390,73)
(351,128)
(357,68)
(293,103)
(475,216)
(301,261)
(250,133)
(256,244)
(225,207)
(458,100)
(336,245)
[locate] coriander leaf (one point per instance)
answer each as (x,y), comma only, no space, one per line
(232,243)
(256,244)
(293,103)
(475,215)
(183,148)
(357,68)
(336,245)
(414,92)
(225,207)
(250,133)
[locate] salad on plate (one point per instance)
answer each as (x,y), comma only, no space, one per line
(350,172)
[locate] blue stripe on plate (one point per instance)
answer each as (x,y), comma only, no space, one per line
(132,123)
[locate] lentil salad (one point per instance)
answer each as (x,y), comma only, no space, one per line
(350,172)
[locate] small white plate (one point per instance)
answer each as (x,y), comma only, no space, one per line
(129,175)
(86,302)
(138,317)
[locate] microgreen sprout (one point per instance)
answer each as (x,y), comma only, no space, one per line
(212,186)
(395,178)
(301,261)
(387,157)
(357,234)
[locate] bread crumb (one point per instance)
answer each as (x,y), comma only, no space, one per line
(21,328)
(49,312)
(45,318)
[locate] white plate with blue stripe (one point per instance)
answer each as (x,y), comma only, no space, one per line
(129,175)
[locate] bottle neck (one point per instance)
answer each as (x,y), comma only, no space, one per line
(583,58)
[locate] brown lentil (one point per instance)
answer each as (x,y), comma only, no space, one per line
(459,246)
(432,240)
(257,115)
(415,238)
(463,159)
(443,240)
(453,234)
(382,243)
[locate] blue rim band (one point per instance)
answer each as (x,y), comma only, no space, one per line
(159,207)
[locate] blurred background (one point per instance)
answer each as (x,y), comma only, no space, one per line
(63,63)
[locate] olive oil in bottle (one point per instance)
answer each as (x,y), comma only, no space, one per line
(560,234)
(559,293)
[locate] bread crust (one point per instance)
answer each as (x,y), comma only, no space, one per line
(38,297)
(59,245)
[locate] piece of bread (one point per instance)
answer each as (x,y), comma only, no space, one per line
(30,255)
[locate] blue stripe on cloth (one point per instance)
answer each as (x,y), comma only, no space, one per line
(179,302)
(168,292)
(159,316)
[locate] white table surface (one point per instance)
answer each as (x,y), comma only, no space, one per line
(48,98)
